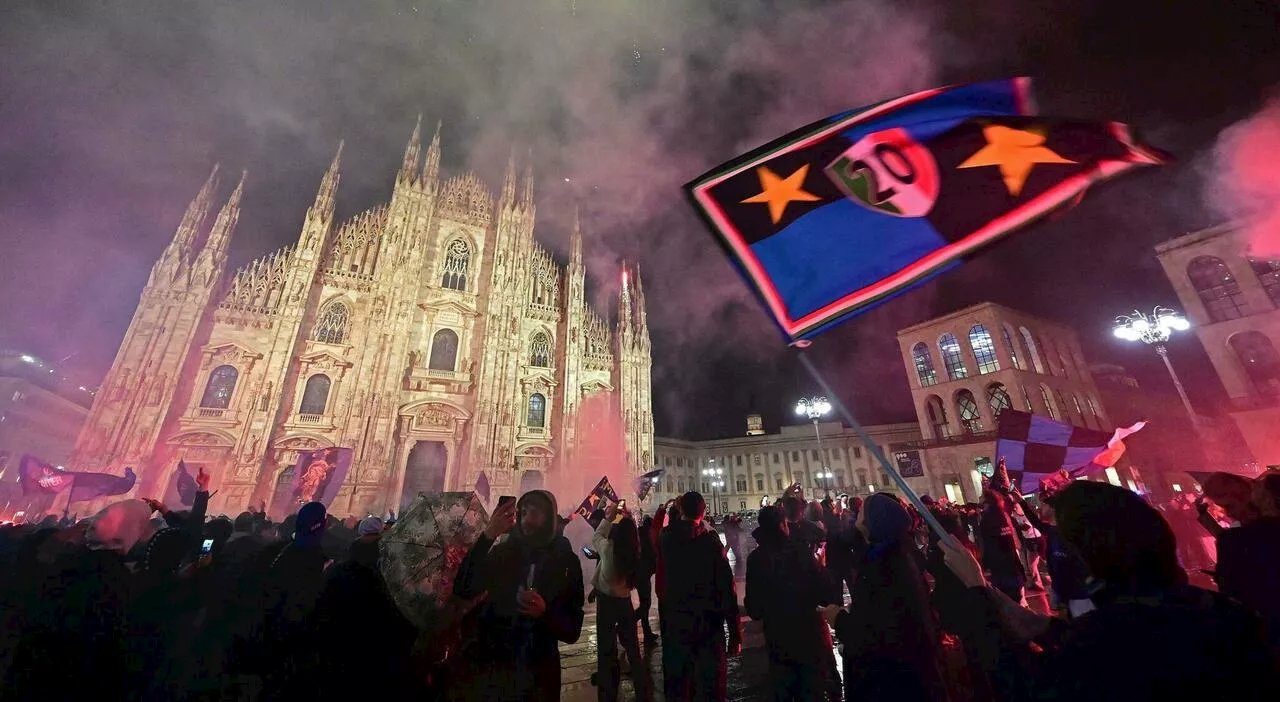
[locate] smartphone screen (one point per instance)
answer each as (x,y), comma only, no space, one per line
(207,547)
(505,499)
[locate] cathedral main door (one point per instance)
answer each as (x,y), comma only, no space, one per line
(424,471)
(531,480)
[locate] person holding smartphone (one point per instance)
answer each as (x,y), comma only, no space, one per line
(617,542)
(535,599)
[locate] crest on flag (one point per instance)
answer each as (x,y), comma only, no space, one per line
(602,491)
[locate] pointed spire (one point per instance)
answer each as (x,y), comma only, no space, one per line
(197,211)
(327,194)
(412,154)
(527,196)
(431,171)
(642,317)
(509,180)
(575,240)
(225,224)
(624,306)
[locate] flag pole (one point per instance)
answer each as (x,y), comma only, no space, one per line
(874,449)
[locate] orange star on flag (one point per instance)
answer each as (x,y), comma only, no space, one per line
(1015,151)
(780,192)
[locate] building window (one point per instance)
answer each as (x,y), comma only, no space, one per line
(1026,399)
(835,452)
(857,452)
(1032,350)
(540,351)
(759,483)
(537,410)
(457,261)
(862,478)
(706,486)
(444,350)
(951,359)
(1093,409)
(984,349)
(998,399)
(936,414)
(680,485)
(840,479)
(1075,402)
(217,392)
(315,395)
(331,327)
(777,482)
(795,455)
(738,460)
(1268,272)
(680,461)
(1013,346)
(1062,406)
(775,459)
(815,454)
(1049,405)
(924,365)
(1218,289)
(666,461)
(1261,363)
(970,417)
(741,484)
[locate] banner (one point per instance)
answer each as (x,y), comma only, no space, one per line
(182,487)
(319,474)
(601,491)
(909,464)
(1036,447)
(482,486)
(38,477)
(90,486)
(646,482)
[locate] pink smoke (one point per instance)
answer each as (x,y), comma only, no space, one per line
(1246,182)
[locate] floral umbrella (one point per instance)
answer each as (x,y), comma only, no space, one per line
(422,551)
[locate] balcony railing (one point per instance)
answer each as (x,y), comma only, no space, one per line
(210,412)
(310,418)
(957,440)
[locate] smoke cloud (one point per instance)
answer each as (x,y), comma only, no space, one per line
(1245,184)
(124,106)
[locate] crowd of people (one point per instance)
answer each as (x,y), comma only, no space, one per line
(142,602)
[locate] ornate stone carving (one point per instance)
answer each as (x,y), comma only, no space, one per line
(434,416)
(201,439)
(299,442)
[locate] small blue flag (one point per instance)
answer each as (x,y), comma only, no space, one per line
(482,486)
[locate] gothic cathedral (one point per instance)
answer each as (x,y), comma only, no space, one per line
(432,334)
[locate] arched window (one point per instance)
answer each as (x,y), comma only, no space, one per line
(924,364)
(1218,289)
(970,417)
(1260,361)
(1075,402)
(951,359)
(1032,350)
(537,411)
(984,349)
(331,327)
(444,350)
(1049,405)
(540,351)
(1268,272)
(1093,409)
(936,414)
(1013,347)
(222,382)
(1026,400)
(315,395)
(740,483)
(457,263)
(998,399)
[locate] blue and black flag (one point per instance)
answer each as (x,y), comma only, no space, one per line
(845,213)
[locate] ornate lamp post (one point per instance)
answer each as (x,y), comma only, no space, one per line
(714,476)
(815,408)
(1155,329)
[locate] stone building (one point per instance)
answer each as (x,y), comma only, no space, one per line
(1233,302)
(760,464)
(41,414)
(432,334)
(966,367)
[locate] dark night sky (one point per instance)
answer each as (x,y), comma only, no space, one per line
(111,114)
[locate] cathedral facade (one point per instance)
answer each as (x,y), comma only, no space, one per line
(432,335)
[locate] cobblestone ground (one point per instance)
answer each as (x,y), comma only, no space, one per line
(747,673)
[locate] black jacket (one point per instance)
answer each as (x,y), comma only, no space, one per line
(785,587)
(699,598)
(1249,568)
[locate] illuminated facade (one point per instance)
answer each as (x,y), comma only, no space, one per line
(432,334)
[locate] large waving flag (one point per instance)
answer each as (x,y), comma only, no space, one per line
(90,486)
(1034,448)
(36,476)
(847,212)
(40,477)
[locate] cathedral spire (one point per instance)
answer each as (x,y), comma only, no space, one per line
(509,180)
(526,198)
(327,194)
(225,224)
(431,170)
(624,309)
(193,219)
(575,240)
(412,155)
(642,317)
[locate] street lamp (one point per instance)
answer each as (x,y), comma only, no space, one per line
(1155,329)
(816,408)
(714,476)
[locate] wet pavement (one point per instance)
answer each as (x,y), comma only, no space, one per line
(747,672)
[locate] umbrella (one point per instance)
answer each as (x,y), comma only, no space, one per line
(422,552)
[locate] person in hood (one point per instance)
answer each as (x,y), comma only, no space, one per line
(785,588)
(535,595)
(700,604)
